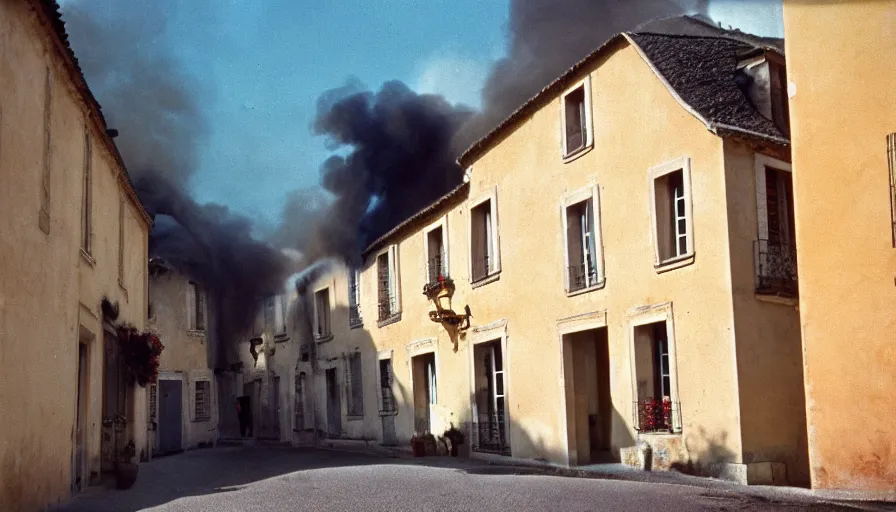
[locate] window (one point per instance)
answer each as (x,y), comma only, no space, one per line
(322,314)
(202,402)
(656,407)
(389,299)
(576,116)
(387,396)
(354,298)
(299,403)
(121,206)
(355,398)
(44,216)
(775,248)
(584,252)
(195,308)
(484,255)
(671,202)
(279,307)
(87,196)
(435,249)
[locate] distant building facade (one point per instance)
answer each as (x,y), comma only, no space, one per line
(183,404)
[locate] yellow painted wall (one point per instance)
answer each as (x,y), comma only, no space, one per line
(638,125)
(843,106)
(49,295)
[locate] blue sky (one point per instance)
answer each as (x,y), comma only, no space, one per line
(264,63)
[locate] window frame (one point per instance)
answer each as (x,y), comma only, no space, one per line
(328,335)
(385,355)
(494,271)
(298,400)
(443,224)
(592,192)
(354,405)
(588,142)
(394,269)
(207,416)
(354,296)
(194,291)
(655,173)
(762,163)
(649,315)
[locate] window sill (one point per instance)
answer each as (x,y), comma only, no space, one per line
(323,339)
(674,263)
(356,325)
(391,320)
(599,286)
(203,420)
(491,278)
(389,413)
(281,338)
(777,299)
(569,157)
(195,333)
(349,417)
(661,433)
(88,258)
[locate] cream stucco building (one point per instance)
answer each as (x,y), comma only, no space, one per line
(183,405)
(624,242)
(73,235)
(843,108)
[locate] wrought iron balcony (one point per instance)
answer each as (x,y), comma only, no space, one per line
(489,434)
(776,272)
(581,277)
(652,415)
(354,315)
(386,306)
(436,269)
(387,405)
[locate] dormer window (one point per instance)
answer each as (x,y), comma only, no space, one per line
(576,117)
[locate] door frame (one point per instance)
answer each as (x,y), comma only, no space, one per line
(184,395)
(81,440)
(495,331)
(571,325)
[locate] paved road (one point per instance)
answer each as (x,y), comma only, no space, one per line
(273,478)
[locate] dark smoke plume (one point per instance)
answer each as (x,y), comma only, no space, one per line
(156,107)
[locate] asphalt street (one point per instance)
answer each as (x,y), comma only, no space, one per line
(275,478)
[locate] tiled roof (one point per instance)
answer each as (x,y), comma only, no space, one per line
(698,70)
(440,202)
(701,70)
(51,12)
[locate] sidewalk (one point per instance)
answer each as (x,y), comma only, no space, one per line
(486,463)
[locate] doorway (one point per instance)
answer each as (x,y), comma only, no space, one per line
(490,399)
(426,394)
(170,398)
(589,407)
(334,405)
(114,403)
(79,475)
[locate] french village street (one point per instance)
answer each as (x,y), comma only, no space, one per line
(279,478)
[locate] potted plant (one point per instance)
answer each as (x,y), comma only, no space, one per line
(126,467)
(140,353)
(456,437)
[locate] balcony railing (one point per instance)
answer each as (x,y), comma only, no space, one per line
(776,272)
(581,277)
(436,267)
(489,435)
(652,415)
(386,306)
(354,315)
(387,404)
